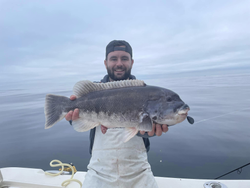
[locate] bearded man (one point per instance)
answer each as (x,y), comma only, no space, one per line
(114,163)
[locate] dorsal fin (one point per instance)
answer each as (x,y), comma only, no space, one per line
(83,87)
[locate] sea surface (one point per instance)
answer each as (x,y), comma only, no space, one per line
(218,141)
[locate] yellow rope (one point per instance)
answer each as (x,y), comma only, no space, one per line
(66,182)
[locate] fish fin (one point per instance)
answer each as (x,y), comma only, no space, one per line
(146,123)
(54,109)
(81,125)
(129,133)
(83,87)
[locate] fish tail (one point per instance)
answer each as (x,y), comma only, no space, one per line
(54,109)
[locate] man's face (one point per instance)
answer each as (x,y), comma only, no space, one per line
(119,65)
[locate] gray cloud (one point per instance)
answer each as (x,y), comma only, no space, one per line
(55,40)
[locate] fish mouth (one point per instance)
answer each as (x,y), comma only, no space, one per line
(184,110)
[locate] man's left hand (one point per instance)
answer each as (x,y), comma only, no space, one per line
(157,130)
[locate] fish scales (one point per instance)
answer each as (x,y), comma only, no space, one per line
(121,102)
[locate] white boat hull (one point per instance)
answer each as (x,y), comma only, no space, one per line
(13,177)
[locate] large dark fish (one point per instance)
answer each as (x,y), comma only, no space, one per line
(129,103)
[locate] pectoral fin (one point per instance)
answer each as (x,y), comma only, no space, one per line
(146,123)
(129,133)
(82,125)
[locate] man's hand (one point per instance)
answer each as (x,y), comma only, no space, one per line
(72,115)
(103,129)
(157,129)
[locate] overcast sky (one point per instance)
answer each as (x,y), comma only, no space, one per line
(62,40)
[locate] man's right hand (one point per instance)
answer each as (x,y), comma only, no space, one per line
(72,115)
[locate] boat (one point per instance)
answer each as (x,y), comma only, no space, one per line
(16,177)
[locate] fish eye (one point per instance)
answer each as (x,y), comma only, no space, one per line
(169,99)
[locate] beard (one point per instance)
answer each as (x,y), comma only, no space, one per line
(116,78)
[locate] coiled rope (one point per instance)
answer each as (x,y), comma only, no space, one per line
(66,182)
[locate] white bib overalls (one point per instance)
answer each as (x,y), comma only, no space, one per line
(118,164)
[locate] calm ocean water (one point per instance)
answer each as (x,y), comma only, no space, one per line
(217,143)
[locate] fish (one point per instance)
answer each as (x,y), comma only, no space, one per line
(128,103)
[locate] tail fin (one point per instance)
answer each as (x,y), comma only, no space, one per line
(54,109)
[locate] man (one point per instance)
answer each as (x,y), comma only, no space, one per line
(114,163)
